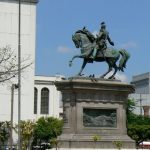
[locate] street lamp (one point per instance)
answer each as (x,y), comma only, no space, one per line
(13,87)
(19,74)
(140,101)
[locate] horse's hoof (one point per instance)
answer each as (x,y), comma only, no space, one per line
(92,76)
(102,77)
(79,75)
(112,78)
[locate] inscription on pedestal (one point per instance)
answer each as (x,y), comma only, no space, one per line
(99,117)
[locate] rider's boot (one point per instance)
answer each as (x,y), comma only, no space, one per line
(94,54)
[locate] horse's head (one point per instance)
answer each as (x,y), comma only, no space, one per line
(76,40)
(83,38)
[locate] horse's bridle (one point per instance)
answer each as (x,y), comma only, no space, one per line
(76,41)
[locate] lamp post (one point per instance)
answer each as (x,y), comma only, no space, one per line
(139,100)
(14,86)
(140,104)
(19,74)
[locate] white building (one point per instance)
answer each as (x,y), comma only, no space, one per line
(47,100)
(39,96)
(9,36)
(31,107)
(142,93)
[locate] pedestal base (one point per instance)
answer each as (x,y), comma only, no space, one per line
(77,141)
(94,108)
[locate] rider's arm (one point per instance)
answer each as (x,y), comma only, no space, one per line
(109,40)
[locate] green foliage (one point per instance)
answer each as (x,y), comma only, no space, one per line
(27,130)
(47,128)
(96,138)
(118,144)
(139,133)
(4,131)
(138,126)
(130,106)
(134,119)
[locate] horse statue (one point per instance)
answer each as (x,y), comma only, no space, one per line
(110,55)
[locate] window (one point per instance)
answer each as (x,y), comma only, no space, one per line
(44,101)
(35,100)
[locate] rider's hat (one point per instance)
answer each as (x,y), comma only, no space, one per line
(103,24)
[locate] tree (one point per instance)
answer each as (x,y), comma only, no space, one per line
(138,126)
(27,130)
(47,128)
(131,105)
(9,64)
(139,133)
(4,132)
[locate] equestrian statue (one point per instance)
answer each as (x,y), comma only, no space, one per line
(95,49)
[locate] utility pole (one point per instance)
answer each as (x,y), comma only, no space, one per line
(13,87)
(140,104)
(19,74)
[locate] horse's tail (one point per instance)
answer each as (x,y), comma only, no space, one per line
(124,59)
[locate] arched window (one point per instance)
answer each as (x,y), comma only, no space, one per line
(44,101)
(35,100)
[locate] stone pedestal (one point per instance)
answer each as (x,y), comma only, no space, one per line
(94,108)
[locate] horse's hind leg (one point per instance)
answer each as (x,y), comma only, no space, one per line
(83,66)
(113,75)
(109,70)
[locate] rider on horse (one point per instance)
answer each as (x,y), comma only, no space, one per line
(101,40)
(87,43)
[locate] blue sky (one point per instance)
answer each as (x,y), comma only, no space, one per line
(128,23)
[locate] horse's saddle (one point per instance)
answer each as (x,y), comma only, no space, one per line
(106,53)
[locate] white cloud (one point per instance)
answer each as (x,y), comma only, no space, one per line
(122,77)
(63,49)
(130,44)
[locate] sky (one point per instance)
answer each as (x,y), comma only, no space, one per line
(128,24)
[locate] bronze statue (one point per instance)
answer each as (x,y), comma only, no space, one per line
(102,39)
(95,49)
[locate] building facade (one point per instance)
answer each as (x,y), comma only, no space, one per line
(9,37)
(142,93)
(39,96)
(47,100)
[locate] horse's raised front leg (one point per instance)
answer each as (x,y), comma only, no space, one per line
(76,56)
(83,66)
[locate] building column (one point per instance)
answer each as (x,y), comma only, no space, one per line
(146,110)
(39,102)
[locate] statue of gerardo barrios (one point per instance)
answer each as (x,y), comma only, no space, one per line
(95,48)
